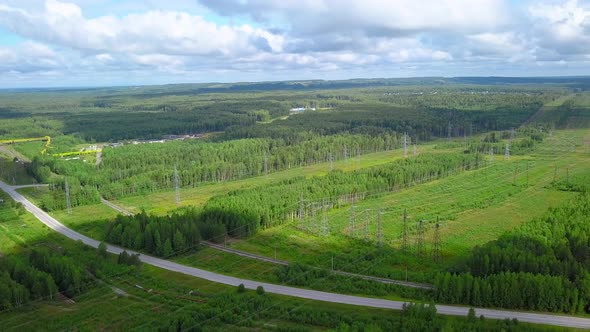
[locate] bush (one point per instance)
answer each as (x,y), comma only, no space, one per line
(102,249)
(260,290)
(241,288)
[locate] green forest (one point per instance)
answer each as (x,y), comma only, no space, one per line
(438,193)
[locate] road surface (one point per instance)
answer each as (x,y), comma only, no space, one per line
(538,318)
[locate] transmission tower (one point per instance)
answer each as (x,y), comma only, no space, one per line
(405,145)
(366,215)
(176,186)
(324,228)
(379,229)
(436,246)
(312,217)
(415,150)
(507,151)
(527,173)
(331,160)
(345,152)
(420,239)
(300,212)
(491,154)
(352,219)
(68,202)
(512,134)
(265,164)
(449,131)
(405,231)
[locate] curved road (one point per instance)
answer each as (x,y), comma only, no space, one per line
(566,321)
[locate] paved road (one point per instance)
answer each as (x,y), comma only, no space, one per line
(582,323)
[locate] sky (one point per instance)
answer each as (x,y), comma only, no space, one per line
(63,43)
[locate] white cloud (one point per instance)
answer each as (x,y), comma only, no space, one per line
(563,27)
(142,33)
(29,57)
(79,39)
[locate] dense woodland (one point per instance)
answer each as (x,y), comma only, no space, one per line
(543,265)
(40,273)
(162,236)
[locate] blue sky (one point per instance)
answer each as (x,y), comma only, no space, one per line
(108,42)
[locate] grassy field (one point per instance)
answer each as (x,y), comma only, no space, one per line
(474,207)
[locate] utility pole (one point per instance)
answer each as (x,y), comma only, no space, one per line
(176,186)
(332,262)
(405,232)
(68,202)
(379,229)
